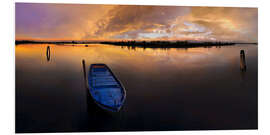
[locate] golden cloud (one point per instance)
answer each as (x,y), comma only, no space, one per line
(75,21)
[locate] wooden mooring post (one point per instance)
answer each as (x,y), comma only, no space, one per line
(48,53)
(243,66)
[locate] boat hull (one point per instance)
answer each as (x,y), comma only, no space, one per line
(105,88)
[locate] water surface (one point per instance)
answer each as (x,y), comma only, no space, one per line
(167,89)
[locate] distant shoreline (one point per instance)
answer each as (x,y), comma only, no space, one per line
(141,44)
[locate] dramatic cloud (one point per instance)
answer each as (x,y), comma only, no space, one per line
(110,22)
(228,23)
(130,21)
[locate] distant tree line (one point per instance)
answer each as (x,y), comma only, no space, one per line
(143,44)
(167,44)
(52,42)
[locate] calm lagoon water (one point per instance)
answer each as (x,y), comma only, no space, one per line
(167,89)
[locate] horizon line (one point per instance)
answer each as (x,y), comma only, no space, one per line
(126,40)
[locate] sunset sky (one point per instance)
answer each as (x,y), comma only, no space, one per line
(118,22)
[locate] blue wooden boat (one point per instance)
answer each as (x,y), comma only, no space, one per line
(104,87)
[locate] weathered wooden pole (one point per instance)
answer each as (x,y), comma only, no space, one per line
(243,66)
(84,71)
(88,100)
